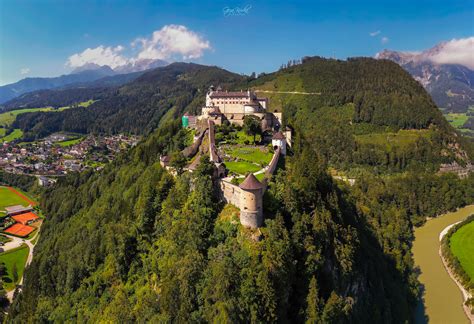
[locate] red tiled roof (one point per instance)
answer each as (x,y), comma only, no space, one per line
(251,183)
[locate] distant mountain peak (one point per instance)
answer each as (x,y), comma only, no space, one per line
(130,67)
(94,67)
(450,84)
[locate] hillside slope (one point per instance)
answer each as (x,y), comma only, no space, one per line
(10,91)
(363,113)
(450,85)
(135,244)
(136,107)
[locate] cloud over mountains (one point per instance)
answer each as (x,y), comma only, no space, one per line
(456,51)
(170,43)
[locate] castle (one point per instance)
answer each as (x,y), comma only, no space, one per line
(233,107)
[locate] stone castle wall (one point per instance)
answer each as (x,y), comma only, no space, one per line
(230,193)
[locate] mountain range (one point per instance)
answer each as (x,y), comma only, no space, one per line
(451,85)
(79,77)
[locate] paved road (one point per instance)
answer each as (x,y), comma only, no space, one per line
(14,243)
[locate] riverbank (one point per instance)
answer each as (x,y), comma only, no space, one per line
(442,299)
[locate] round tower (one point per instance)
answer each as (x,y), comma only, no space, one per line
(251,202)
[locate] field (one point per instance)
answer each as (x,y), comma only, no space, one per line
(16,257)
(17,133)
(390,139)
(250,154)
(8,198)
(70,142)
(462,246)
(7,118)
(457,120)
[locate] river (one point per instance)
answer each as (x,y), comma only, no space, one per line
(442,298)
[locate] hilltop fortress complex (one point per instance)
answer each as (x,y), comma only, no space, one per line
(222,106)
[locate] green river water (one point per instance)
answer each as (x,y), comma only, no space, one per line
(442,299)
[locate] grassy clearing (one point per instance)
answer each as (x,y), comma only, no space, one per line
(70,142)
(242,167)
(8,198)
(462,246)
(3,131)
(17,133)
(10,258)
(4,239)
(402,138)
(457,120)
(7,118)
(251,154)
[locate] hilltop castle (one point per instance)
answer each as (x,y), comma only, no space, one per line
(233,107)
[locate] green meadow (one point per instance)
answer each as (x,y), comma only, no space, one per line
(402,138)
(457,120)
(242,167)
(7,118)
(17,133)
(462,246)
(12,259)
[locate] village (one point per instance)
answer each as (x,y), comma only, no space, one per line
(58,154)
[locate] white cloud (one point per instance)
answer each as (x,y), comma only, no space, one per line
(384,40)
(456,51)
(100,55)
(172,42)
(375,33)
(25,71)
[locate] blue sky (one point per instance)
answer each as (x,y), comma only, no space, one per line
(38,37)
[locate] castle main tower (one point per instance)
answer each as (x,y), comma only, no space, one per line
(251,202)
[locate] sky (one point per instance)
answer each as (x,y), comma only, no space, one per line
(51,37)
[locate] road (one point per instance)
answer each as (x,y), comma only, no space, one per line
(14,243)
(289,92)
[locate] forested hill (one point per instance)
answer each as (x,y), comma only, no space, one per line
(135,244)
(136,107)
(382,92)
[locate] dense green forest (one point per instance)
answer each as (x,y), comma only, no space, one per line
(360,102)
(136,107)
(133,243)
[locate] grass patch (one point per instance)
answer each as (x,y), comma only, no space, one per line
(402,138)
(4,239)
(457,120)
(462,246)
(7,118)
(8,198)
(10,258)
(70,142)
(33,241)
(251,154)
(17,133)
(242,167)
